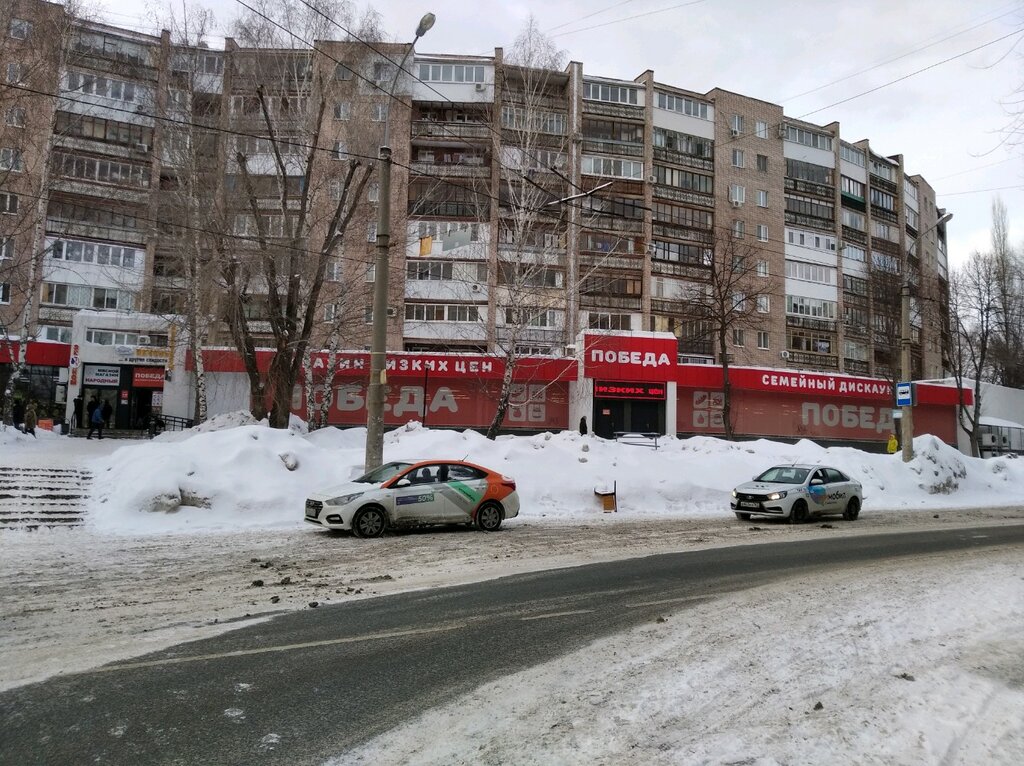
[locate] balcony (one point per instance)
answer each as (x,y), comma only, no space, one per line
(883,215)
(590,301)
(809,323)
(451,170)
(676,269)
(613,110)
(856,367)
(820,361)
(590,259)
(429,129)
(67,228)
(880,183)
(800,219)
(662,191)
(614,223)
(810,188)
(678,232)
(661,154)
(76,187)
(621,148)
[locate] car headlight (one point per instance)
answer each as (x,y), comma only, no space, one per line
(777,495)
(344,499)
(734,493)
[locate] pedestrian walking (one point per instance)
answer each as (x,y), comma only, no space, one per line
(94,403)
(893,444)
(31,419)
(96,422)
(107,412)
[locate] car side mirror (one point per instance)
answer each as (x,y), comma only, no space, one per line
(403,483)
(816,482)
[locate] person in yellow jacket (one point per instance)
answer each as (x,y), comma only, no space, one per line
(893,444)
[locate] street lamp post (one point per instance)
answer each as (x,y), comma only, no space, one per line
(907,410)
(379,339)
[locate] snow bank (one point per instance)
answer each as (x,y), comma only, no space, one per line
(231,473)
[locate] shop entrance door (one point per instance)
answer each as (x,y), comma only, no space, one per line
(609,417)
(617,415)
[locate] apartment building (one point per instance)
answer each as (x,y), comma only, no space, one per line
(526,204)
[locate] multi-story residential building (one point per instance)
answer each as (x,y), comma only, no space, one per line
(527,204)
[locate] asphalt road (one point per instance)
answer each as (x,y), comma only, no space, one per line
(306,686)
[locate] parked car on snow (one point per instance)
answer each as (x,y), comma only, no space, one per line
(411,494)
(797,493)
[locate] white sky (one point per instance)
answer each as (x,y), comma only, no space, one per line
(947,121)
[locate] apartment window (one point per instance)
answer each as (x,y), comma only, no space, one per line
(809,206)
(762,236)
(330,312)
(54,334)
(762,339)
(808,138)
(762,198)
(883,199)
(103,171)
(373,192)
(761,129)
(612,167)
(343,110)
(78,251)
(736,124)
(333,271)
(118,90)
(340,151)
(855,253)
(683,179)
(683,142)
(451,73)
(762,268)
(810,272)
(6,247)
(810,307)
(808,171)
(370,272)
(433,271)
(16,117)
(737,194)
(379,113)
(882,169)
(913,220)
(851,187)
(855,285)
(810,342)
(737,336)
(884,262)
(615,94)
(854,220)
(8,202)
(371,233)
(682,216)
(762,163)
(683,105)
(5,292)
(10,159)
(383,71)
(14,73)
(885,231)
(763,304)
(852,155)
(811,239)
(20,29)
(909,189)
(737,158)
(342,72)
(680,253)
(606,321)
(738,229)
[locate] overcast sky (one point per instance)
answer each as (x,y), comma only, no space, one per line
(948,121)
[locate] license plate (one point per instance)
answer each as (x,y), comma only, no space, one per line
(750,505)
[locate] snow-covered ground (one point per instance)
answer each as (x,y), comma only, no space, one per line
(181,528)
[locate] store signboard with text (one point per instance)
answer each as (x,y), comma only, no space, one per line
(101,375)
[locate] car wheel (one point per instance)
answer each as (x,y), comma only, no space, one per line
(852,509)
(370,522)
(488,517)
(798,514)
(743,516)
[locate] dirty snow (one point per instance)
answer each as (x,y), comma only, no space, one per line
(181,527)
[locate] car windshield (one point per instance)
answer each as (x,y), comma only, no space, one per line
(784,474)
(382,474)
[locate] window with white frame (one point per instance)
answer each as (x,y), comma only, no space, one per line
(343,110)
(736,124)
(597,320)
(738,229)
(54,334)
(340,151)
(761,129)
(855,253)
(762,265)
(383,71)
(379,112)
(518,118)
(330,311)
(810,307)
(737,158)
(5,292)
(762,163)
(811,239)
(737,336)
(853,220)
(342,72)
(762,198)
(372,192)
(886,231)
(15,72)
(6,247)
(810,272)
(683,105)
(451,72)
(86,296)
(8,202)
(763,339)
(15,117)
(371,232)
(909,189)
(882,169)
(913,220)
(433,271)
(855,350)
(684,179)
(883,199)
(763,304)
(612,167)
(333,271)
(808,138)
(737,193)
(851,187)
(100,253)
(762,234)
(852,155)
(99,85)
(615,94)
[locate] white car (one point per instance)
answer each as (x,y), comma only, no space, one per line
(408,494)
(798,493)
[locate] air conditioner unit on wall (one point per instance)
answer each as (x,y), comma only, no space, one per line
(784,354)
(480,87)
(476,288)
(734,131)
(143,340)
(988,440)
(736,203)
(782,130)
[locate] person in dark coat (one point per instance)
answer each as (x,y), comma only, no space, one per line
(95,422)
(31,419)
(93,405)
(18,413)
(107,412)
(78,412)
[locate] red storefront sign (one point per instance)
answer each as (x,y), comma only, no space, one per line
(636,356)
(148,377)
(651,391)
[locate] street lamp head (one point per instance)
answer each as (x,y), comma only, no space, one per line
(425,24)
(945,218)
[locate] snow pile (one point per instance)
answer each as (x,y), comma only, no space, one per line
(222,477)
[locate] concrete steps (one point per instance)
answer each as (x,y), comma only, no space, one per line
(33,497)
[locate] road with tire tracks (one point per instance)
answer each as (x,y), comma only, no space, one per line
(306,686)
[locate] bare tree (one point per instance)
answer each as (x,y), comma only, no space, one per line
(1008,335)
(736,296)
(973,306)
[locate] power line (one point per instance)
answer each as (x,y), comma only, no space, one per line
(630,18)
(589,15)
(1018,187)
